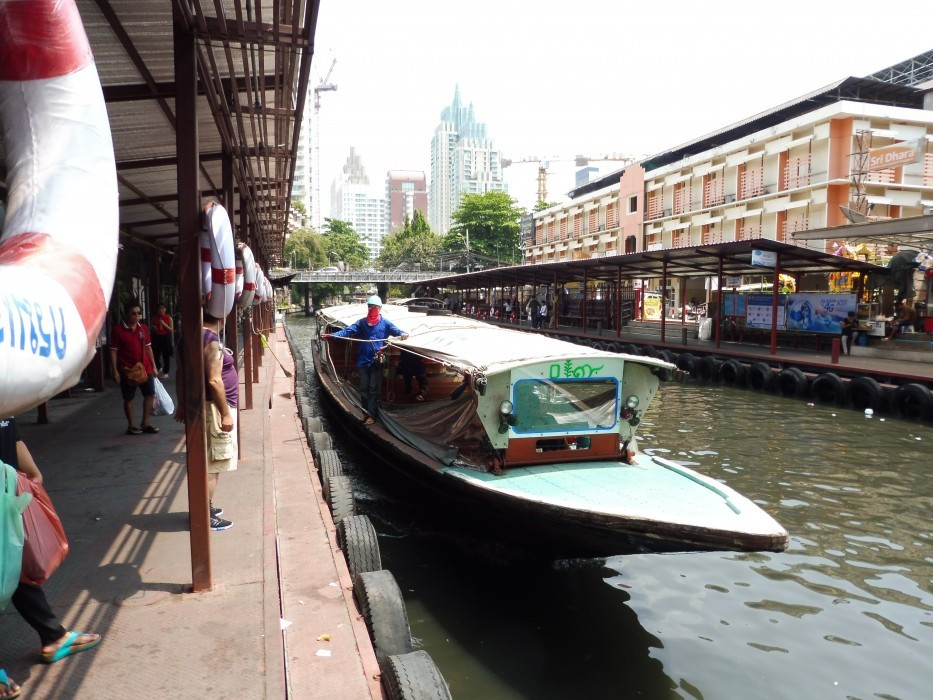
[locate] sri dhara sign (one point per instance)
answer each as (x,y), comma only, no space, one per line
(895,155)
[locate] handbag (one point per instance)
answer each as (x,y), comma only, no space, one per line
(163,404)
(136,374)
(12,534)
(46,545)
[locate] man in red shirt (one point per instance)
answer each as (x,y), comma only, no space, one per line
(162,329)
(129,344)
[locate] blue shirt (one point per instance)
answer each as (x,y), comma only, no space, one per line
(382,330)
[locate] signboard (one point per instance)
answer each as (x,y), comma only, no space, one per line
(653,307)
(895,155)
(759,311)
(820,313)
(764,258)
(731,282)
(733,304)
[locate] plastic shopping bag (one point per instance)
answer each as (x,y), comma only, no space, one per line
(11,533)
(163,406)
(46,546)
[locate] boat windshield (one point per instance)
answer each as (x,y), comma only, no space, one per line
(561,405)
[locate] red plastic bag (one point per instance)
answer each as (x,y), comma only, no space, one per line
(46,545)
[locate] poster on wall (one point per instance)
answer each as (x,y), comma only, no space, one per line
(820,313)
(653,307)
(733,304)
(759,311)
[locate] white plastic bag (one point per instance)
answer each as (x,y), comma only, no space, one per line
(163,406)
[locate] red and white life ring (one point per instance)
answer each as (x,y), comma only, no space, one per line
(249,276)
(260,287)
(58,248)
(218,275)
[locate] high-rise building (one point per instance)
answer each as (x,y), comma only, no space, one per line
(406,192)
(464,160)
(353,200)
(303,180)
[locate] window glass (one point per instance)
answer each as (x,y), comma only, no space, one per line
(560,405)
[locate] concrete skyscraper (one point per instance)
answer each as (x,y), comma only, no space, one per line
(353,200)
(464,160)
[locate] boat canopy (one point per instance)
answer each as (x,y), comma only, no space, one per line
(472,346)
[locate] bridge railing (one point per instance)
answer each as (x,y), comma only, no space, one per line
(306,277)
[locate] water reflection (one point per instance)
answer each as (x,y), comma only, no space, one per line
(846,612)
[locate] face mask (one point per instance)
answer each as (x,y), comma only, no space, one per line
(372,317)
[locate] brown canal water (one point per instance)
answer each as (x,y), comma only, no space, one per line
(845,612)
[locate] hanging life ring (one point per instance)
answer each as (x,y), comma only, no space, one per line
(258,297)
(58,248)
(218,275)
(249,276)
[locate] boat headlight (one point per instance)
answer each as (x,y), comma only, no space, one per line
(505,408)
(632,401)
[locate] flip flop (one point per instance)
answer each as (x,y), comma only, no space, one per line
(68,647)
(5,680)
(133,430)
(368,421)
(150,429)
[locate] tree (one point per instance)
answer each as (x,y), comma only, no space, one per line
(305,249)
(542,205)
(344,242)
(492,220)
(413,243)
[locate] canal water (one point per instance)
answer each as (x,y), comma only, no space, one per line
(845,612)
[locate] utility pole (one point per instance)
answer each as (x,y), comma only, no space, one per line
(323,86)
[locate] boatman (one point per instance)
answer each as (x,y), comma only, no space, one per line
(372,331)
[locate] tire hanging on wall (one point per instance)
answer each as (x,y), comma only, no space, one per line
(414,676)
(864,392)
(667,356)
(321,441)
(312,425)
(828,388)
(708,368)
(687,362)
(760,376)
(380,602)
(629,349)
(791,382)
(912,402)
(356,536)
(732,373)
(329,465)
(648,351)
(340,498)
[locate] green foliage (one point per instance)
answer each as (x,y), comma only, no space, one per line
(343,243)
(542,205)
(413,243)
(304,249)
(492,220)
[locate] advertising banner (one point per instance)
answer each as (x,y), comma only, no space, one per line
(820,313)
(733,304)
(653,307)
(759,311)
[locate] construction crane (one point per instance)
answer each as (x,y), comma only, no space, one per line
(580,161)
(323,86)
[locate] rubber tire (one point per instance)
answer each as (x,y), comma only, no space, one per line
(667,356)
(380,602)
(340,498)
(321,441)
(732,373)
(356,536)
(708,368)
(413,676)
(648,351)
(912,402)
(828,388)
(864,392)
(687,362)
(629,349)
(791,382)
(313,425)
(760,376)
(329,465)
(613,347)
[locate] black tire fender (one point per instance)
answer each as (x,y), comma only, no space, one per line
(864,392)
(356,536)
(708,368)
(760,376)
(380,602)
(414,676)
(340,498)
(828,388)
(912,402)
(321,441)
(313,425)
(329,464)
(667,356)
(732,373)
(629,349)
(791,382)
(648,351)
(687,362)
(613,347)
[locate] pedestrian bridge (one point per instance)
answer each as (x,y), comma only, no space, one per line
(362,277)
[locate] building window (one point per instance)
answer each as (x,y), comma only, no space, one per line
(655,208)
(681,198)
(633,204)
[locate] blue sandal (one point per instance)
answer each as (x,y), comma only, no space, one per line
(68,647)
(6,681)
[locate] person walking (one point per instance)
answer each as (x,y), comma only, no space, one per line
(29,599)
(223,394)
(162,341)
(849,332)
(130,345)
(372,330)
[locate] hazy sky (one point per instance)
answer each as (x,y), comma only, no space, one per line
(590,77)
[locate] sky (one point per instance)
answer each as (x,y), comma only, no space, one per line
(593,77)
